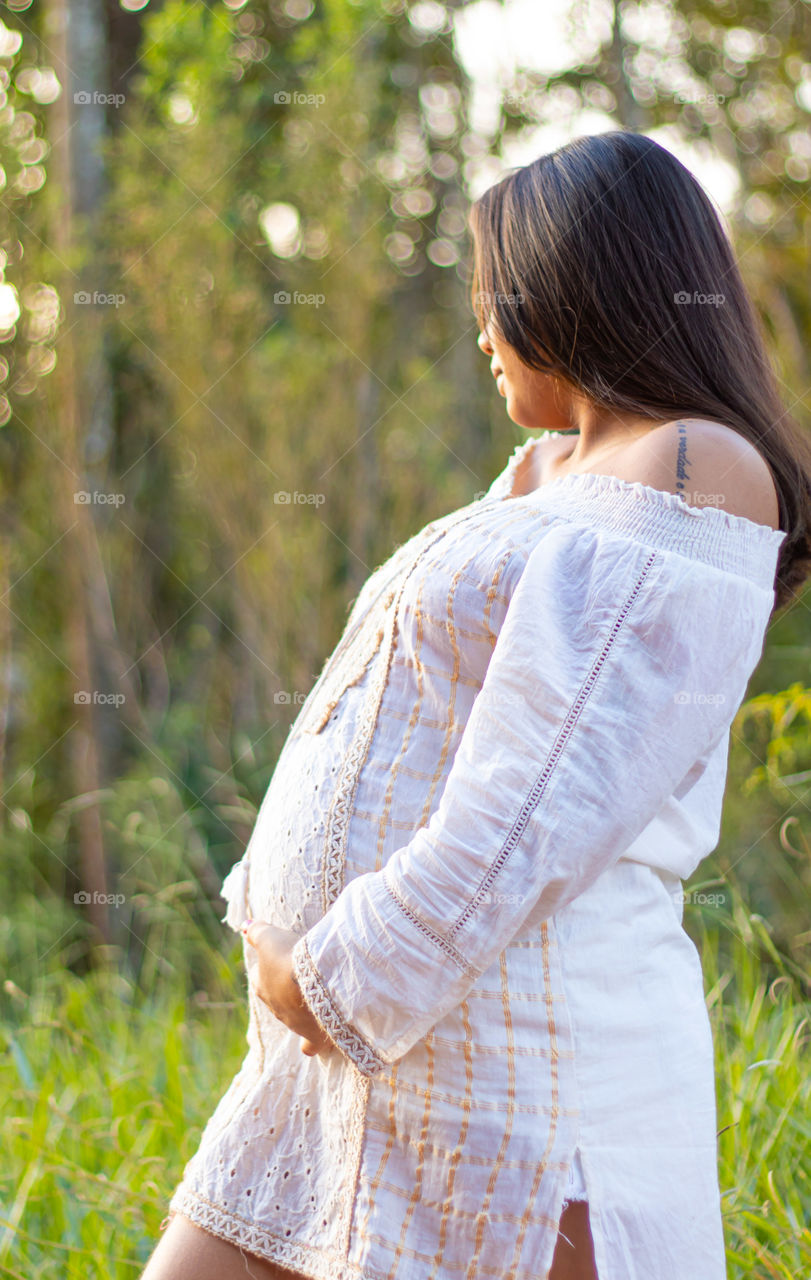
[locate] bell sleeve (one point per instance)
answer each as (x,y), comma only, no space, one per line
(618,666)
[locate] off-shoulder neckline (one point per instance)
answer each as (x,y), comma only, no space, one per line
(593,483)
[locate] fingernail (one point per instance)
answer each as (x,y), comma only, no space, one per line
(246,926)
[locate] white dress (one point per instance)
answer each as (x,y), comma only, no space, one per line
(479,825)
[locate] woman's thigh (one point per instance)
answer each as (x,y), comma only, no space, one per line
(187,1252)
(574,1251)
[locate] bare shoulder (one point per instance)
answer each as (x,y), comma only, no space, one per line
(709,464)
(549,446)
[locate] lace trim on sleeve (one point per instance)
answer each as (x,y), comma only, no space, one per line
(340,1032)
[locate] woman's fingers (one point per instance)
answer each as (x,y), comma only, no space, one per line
(257,930)
(276,986)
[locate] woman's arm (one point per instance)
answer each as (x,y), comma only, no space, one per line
(618,666)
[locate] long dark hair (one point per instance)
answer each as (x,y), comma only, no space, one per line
(584,261)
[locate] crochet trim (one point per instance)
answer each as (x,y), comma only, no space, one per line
(436,938)
(341,806)
(344,1036)
(310,1261)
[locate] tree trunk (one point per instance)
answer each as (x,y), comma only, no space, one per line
(82,417)
(630,114)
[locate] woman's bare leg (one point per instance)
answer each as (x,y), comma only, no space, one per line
(574,1251)
(187,1252)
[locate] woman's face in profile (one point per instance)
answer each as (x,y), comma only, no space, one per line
(530,394)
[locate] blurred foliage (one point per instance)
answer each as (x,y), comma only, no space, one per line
(759,1021)
(108,1090)
(29,308)
(766,836)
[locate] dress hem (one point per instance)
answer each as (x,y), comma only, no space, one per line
(309,1261)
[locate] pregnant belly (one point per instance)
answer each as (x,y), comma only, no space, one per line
(287,849)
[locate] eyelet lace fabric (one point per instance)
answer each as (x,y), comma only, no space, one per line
(479,827)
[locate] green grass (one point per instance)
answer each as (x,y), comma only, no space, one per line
(761,1029)
(106,1094)
(106,1090)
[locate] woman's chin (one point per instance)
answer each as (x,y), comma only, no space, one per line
(520,415)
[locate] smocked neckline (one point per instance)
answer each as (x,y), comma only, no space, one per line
(593,483)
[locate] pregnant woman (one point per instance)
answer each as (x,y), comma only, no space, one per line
(478,1046)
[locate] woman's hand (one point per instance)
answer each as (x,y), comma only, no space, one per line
(278,988)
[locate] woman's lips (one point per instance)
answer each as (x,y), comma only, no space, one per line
(497,373)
